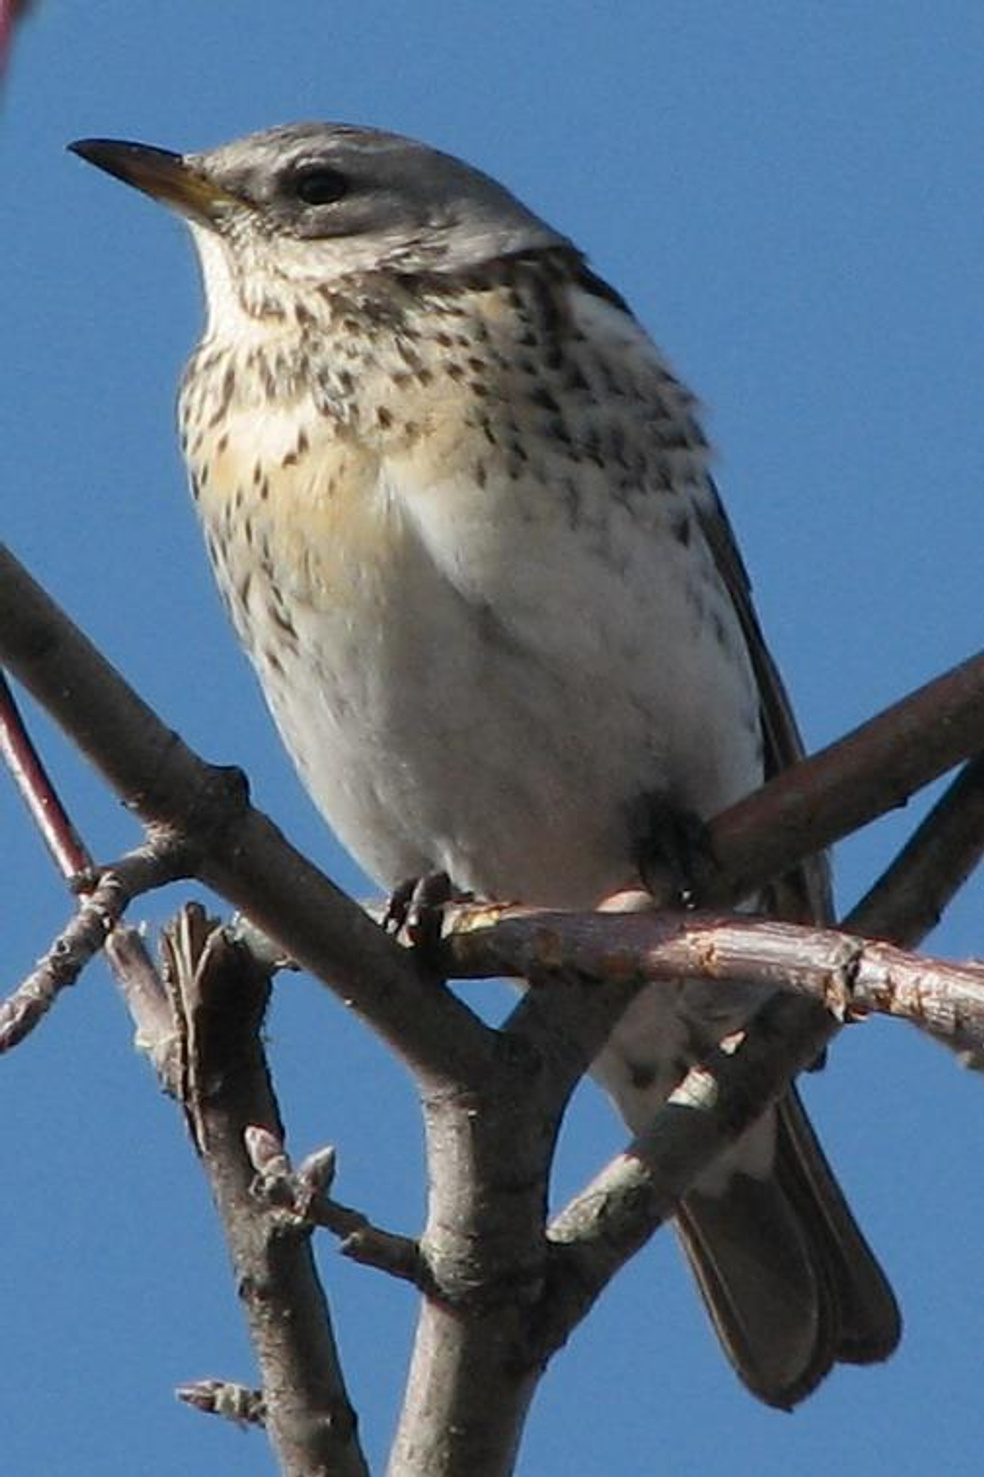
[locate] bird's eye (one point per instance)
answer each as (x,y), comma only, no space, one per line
(318,185)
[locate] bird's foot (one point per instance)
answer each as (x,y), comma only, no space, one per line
(671,851)
(416,910)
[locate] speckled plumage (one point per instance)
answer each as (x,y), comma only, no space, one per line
(459,509)
(476,425)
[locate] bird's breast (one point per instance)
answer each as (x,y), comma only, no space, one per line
(475,620)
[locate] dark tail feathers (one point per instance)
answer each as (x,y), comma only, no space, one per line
(790,1282)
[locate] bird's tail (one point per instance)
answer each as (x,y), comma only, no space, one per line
(790,1283)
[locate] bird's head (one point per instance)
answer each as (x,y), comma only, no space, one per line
(313,203)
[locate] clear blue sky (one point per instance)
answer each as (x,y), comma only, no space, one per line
(790,196)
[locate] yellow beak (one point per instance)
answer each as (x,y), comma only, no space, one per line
(165,176)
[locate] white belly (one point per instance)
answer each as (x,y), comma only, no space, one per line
(479,682)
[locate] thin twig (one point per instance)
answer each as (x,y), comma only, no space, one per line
(145,998)
(99,911)
(843,787)
(59,967)
(303,1194)
(11,11)
(908,899)
(18,751)
(106,894)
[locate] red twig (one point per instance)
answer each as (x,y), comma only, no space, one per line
(66,846)
(10,13)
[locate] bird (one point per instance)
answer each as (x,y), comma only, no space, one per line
(461,511)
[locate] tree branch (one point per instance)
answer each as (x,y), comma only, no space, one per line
(908,899)
(36,790)
(215,1073)
(849,976)
(97,923)
(303,1193)
(89,931)
(843,787)
(242,855)
(219,998)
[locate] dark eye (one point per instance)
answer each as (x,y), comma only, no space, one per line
(316,184)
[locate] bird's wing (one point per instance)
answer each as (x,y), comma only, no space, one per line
(804,894)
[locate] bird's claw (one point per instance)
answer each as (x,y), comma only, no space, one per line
(671,850)
(416,910)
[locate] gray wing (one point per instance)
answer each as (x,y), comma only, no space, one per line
(803,895)
(790,1283)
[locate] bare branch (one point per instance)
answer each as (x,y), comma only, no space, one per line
(88,932)
(303,1193)
(849,976)
(58,968)
(909,898)
(220,997)
(845,786)
(38,793)
(106,895)
(306,1436)
(83,937)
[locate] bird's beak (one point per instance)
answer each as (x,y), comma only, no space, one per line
(167,177)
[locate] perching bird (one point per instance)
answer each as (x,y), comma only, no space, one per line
(460,511)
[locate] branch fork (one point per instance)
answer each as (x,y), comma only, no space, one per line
(303,1193)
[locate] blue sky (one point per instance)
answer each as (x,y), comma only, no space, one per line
(790,197)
